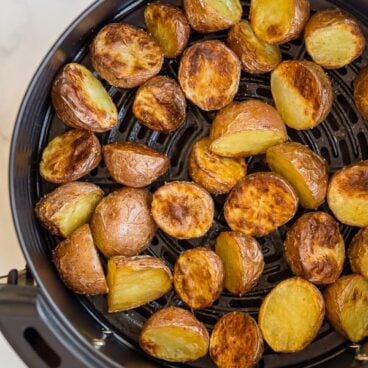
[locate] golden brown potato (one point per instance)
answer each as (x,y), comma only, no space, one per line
(333,38)
(68,207)
(256,55)
(347,306)
(70,156)
(260,203)
(135,281)
(347,194)
(125,55)
(361,92)
(291,315)
(246,128)
(81,101)
(358,253)
(122,224)
(209,74)
(160,104)
(169,27)
(302,92)
(133,164)
(306,171)
(182,209)
(175,335)
(78,263)
(236,341)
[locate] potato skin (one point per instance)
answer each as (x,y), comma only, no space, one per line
(361,92)
(358,253)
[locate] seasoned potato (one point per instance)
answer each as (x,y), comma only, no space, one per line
(358,253)
(135,281)
(68,207)
(175,335)
(134,164)
(278,21)
(70,156)
(78,264)
(202,76)
(333,38)
(305,170)
(256,55)
(243,261)
(291,315)
(125,56)
(246,128)
(160,104)
(361,92)
(122,224)
(169,27)
(347,194)
(347,306)
(81,101)
(236,341)
(182,209)
(302,92)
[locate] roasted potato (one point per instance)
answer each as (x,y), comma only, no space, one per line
(347,306)
(278,21)
(78,263)
(305,170)
(175,335)
(236,341)
(302,92)
(333,38)
(122,224)
(256,55)
(135,281)
(70,156)
(358,253)
(246,128)
(361,92)
(209,74)
(182,209)
(160,104)
(125,55)
(169,27)
(347,194)
(291,315)
(133,164)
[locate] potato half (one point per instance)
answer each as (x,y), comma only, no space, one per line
(347,306)
(175,335)
(291,315)
(302,92)
(209,74)
(361,92)
(358,253)
(305,170)
(135,281)
(333,38)
(125,55)
(78,263)
(347,194)
(198,277)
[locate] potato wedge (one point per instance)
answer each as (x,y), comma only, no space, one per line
(302,92)
(333,38)
(236,341)
(358,253)
(78,263)
(160,104)
(361,92)
(70,156)
(347,306)
(135,281)
(305,170)
(202,77)
(122,224)
(347,194)
(198,277)
(291,315)
(125,55)
(175,335)
(246,128)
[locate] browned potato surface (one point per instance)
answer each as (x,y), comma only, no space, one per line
(209,74)
(361,92)
(358,253)
(125,55)
(70,156)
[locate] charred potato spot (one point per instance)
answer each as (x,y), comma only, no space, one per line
(358,253)
(361,92)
